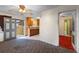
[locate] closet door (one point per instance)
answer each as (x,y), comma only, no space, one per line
(13,28)
(7,28)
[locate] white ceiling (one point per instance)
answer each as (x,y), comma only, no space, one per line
(40,8)
(36,9)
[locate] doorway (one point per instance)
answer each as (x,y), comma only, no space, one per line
(19,28)
(67,29)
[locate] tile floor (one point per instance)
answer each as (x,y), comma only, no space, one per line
(35,37)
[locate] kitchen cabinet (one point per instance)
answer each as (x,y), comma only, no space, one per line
(32,26)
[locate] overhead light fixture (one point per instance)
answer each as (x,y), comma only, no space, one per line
(37,17)
(22,9)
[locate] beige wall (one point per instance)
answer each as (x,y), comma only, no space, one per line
(49,27)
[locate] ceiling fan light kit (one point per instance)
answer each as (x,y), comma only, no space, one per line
(22,9)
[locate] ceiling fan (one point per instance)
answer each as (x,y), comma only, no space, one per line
(22,9)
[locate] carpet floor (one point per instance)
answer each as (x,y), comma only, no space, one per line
(30,46)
